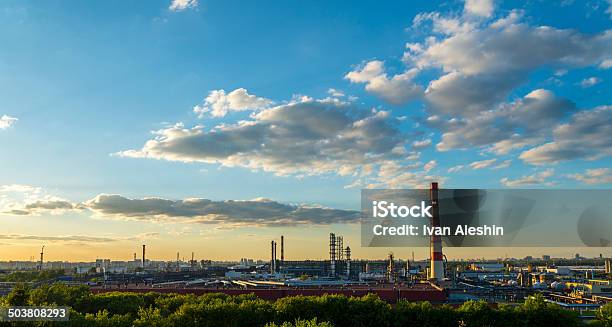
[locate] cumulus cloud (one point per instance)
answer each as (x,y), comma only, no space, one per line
(475,60)
(311,137)
(491,48)
(229,213)
(481,65)
(585,136)
(7,121)
(594,176)
(53,207)
(397,89)
(395,175)
(509,126)
(179,5)
(483,8)
(218,103)
(258,212)
(17,199)
(588,82)
(538,178)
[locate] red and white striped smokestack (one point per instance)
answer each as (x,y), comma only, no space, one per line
(436,270)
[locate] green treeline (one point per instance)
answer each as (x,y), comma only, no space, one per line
(31,276)
(154,309)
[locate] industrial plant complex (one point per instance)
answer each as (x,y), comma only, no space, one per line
(577,283)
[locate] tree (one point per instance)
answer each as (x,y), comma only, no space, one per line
(59,294)
(604,314)
(18,296)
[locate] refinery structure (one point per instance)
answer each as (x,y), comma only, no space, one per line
(577,283)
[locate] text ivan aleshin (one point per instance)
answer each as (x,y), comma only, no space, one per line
(384,209)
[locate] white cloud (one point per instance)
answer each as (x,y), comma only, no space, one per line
(179,5)
(430,165)
(439,24)
(398,89)
(482,61)
(477,62)
(594,176)
(482,164)
(335,93)
(53,207)
(588,82)
(16,199)
(492,49)
(421,144)
(455,169)
(585,136)
(474,62)
(25,200)
(218,103)
(529,180)
(312,137)
(508,127)
(483,8)
(7,121)
(232,213)
(395,175)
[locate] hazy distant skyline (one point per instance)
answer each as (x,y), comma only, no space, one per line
(215,126)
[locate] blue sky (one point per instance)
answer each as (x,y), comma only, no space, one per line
(84,84)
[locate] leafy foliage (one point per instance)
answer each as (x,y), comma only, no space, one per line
(216,309)
(31,276)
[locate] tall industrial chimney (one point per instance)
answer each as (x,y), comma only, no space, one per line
(271,257)
(436,269)
(143,256)
(282,250)
(275,261)
(332,254)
